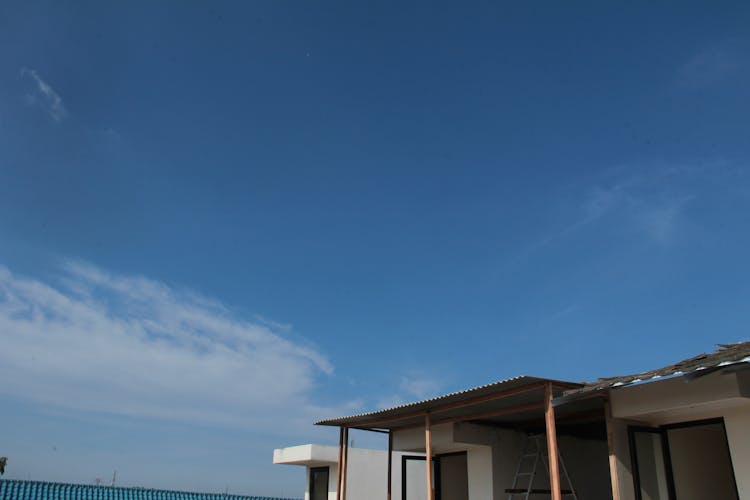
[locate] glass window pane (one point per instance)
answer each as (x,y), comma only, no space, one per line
(319,484)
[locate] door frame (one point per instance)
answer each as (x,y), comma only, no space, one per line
(438,488)
(327,470)
(663,431)
(436,470)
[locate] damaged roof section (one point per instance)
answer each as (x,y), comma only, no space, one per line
(727,356)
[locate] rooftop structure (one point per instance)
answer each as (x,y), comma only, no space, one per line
(14,489)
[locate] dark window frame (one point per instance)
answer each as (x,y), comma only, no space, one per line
(436,470)
(663,432)
(438,487)
(404,458)
(325,469)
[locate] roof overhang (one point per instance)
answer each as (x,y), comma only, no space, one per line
(511,402)
(687,371)
(306,454)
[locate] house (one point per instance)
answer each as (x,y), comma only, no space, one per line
(678,432)
(367,470)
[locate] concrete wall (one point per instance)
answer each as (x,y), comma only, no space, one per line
(366,473)
(454,477)
(479,462)
(587,462)
(506,450)
(332,475)
(412,440)
(492,458)
(475,440)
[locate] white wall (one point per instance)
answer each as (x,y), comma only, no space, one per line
(676,401)
(412,440)
(454,477)
(677,395)
(366,473)
(737,422)
(332,475)
(479,463)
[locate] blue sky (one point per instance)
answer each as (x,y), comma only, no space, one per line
(219,223)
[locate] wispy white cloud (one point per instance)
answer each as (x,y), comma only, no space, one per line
(708,67)
(129,345)
(44,95)
(639,203)
(650,204)
(413,387)
(661,220)
(420,388)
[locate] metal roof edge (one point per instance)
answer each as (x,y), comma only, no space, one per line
(531,379)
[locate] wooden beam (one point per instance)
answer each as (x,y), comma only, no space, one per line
(390,464)
(346,463)
(341,463)
(552,454)
(611,447)
(428,456)
(376,421)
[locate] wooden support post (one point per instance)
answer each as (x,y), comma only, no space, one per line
(552,454)
(346,463)
(341,463)
(390,464)
(611,447)
(428,456)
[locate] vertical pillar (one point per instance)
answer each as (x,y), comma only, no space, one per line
(390,464)
(552,454)
(341,464)
(428,456)
(346,463)
(611,448)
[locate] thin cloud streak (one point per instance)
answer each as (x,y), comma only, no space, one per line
(45,95)
(709,66)
(639,201)
(411,388)
(128,345)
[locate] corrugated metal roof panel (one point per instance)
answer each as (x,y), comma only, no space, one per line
(14,489)
(436,402)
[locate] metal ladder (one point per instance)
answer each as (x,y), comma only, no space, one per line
(535,449)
